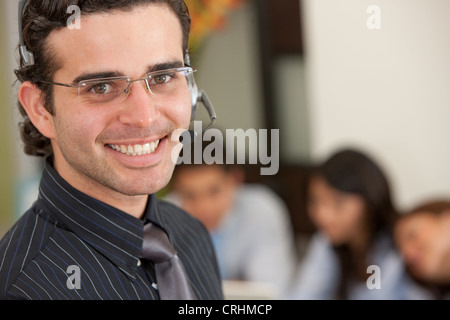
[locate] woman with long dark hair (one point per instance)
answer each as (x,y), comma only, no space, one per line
(352,254)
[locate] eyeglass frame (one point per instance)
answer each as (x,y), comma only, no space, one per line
(200,95)
(147,77)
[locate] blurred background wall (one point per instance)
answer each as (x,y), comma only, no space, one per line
(385,91)
(6,131)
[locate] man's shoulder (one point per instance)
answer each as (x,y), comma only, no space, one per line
(19,246)
(17,231)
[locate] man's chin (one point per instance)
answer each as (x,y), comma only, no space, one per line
(144,187)
(136,191)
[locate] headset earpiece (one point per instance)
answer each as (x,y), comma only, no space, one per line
(27,55)
(194,88)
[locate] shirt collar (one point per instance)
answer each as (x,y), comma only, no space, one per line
(112,232)
(153,215)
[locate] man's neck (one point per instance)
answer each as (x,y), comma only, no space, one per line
(134,205)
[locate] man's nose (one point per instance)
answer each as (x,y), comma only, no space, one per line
(140,108)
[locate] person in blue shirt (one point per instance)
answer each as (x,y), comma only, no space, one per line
(248,222)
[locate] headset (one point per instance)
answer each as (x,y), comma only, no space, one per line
(28,58)
(197,95)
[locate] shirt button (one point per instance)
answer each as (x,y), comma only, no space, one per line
(139,263)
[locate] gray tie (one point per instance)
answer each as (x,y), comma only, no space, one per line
(170,273)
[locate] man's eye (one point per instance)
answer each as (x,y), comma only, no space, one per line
(101,88)
(161,79)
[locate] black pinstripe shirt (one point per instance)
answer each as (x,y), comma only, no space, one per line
(71,246)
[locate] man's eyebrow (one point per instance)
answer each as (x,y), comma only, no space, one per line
(97,75)
(165,66)
(110,74)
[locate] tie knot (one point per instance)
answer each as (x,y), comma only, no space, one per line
(156,246)
(169,270)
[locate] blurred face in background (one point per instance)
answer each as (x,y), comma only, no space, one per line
(206,192)
(424,242)
(340,215)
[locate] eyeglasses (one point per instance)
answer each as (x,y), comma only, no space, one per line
(161,83)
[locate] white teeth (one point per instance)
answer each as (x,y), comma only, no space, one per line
(137,149)
(146,148)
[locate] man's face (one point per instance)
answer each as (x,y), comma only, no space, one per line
(423,241)
(122,43)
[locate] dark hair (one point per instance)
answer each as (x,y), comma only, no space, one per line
(39,19)
(437,207)
(352,171)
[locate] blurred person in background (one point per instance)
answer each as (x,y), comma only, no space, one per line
(349,201)
(249,223)
(423,238)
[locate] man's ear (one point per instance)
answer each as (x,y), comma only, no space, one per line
(30,97)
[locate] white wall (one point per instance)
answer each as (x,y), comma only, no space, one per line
(386,90)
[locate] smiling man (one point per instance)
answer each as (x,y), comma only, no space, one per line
(101,104)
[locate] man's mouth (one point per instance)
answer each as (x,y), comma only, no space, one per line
(136,149)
